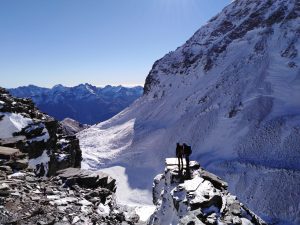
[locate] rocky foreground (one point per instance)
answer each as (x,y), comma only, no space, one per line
(203,199)
(74,196)
(40,179)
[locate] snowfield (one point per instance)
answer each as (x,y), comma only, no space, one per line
(231,92)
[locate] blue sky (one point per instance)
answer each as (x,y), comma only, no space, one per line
(95,41)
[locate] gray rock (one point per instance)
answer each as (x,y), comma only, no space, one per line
(6,169)
(8,153)
(217,181)
(44,134)
(87,179)
(45,201)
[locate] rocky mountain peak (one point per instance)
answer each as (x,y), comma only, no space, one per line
(207,48)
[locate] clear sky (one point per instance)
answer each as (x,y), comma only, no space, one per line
(46,42)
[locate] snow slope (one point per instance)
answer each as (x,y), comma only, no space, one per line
(232,92)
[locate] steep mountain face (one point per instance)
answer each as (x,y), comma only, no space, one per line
(31,138)
(231,92)
(85,103)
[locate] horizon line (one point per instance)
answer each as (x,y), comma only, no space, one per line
(129,85)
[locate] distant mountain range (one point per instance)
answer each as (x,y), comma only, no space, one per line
(85,103)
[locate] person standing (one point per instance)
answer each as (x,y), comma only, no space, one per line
(179,155)
(187,152)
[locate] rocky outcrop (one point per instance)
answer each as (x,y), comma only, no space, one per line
(47,147)
(87,179)
(203,199)
(72,126)
(27,199)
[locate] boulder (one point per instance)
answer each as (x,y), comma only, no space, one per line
(87,179)
(8,153)
(18,164)
(6,169)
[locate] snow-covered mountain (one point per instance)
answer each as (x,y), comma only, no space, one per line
(85,103)
(231,92)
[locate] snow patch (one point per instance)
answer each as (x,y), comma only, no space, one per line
(17,175)
(41,160)
(11,123)
(45,137)
(127,195)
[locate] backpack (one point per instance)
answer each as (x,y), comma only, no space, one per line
(188,150)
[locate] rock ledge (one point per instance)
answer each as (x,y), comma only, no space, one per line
(203,199)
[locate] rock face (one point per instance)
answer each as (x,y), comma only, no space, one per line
(44,145)
(72,126)
(231,92)
(87,179)
(84,103)
(203,199)
(26,199)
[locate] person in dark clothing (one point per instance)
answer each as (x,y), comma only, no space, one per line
(179,155)
(187,152)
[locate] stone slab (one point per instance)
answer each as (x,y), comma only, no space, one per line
(6,152)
